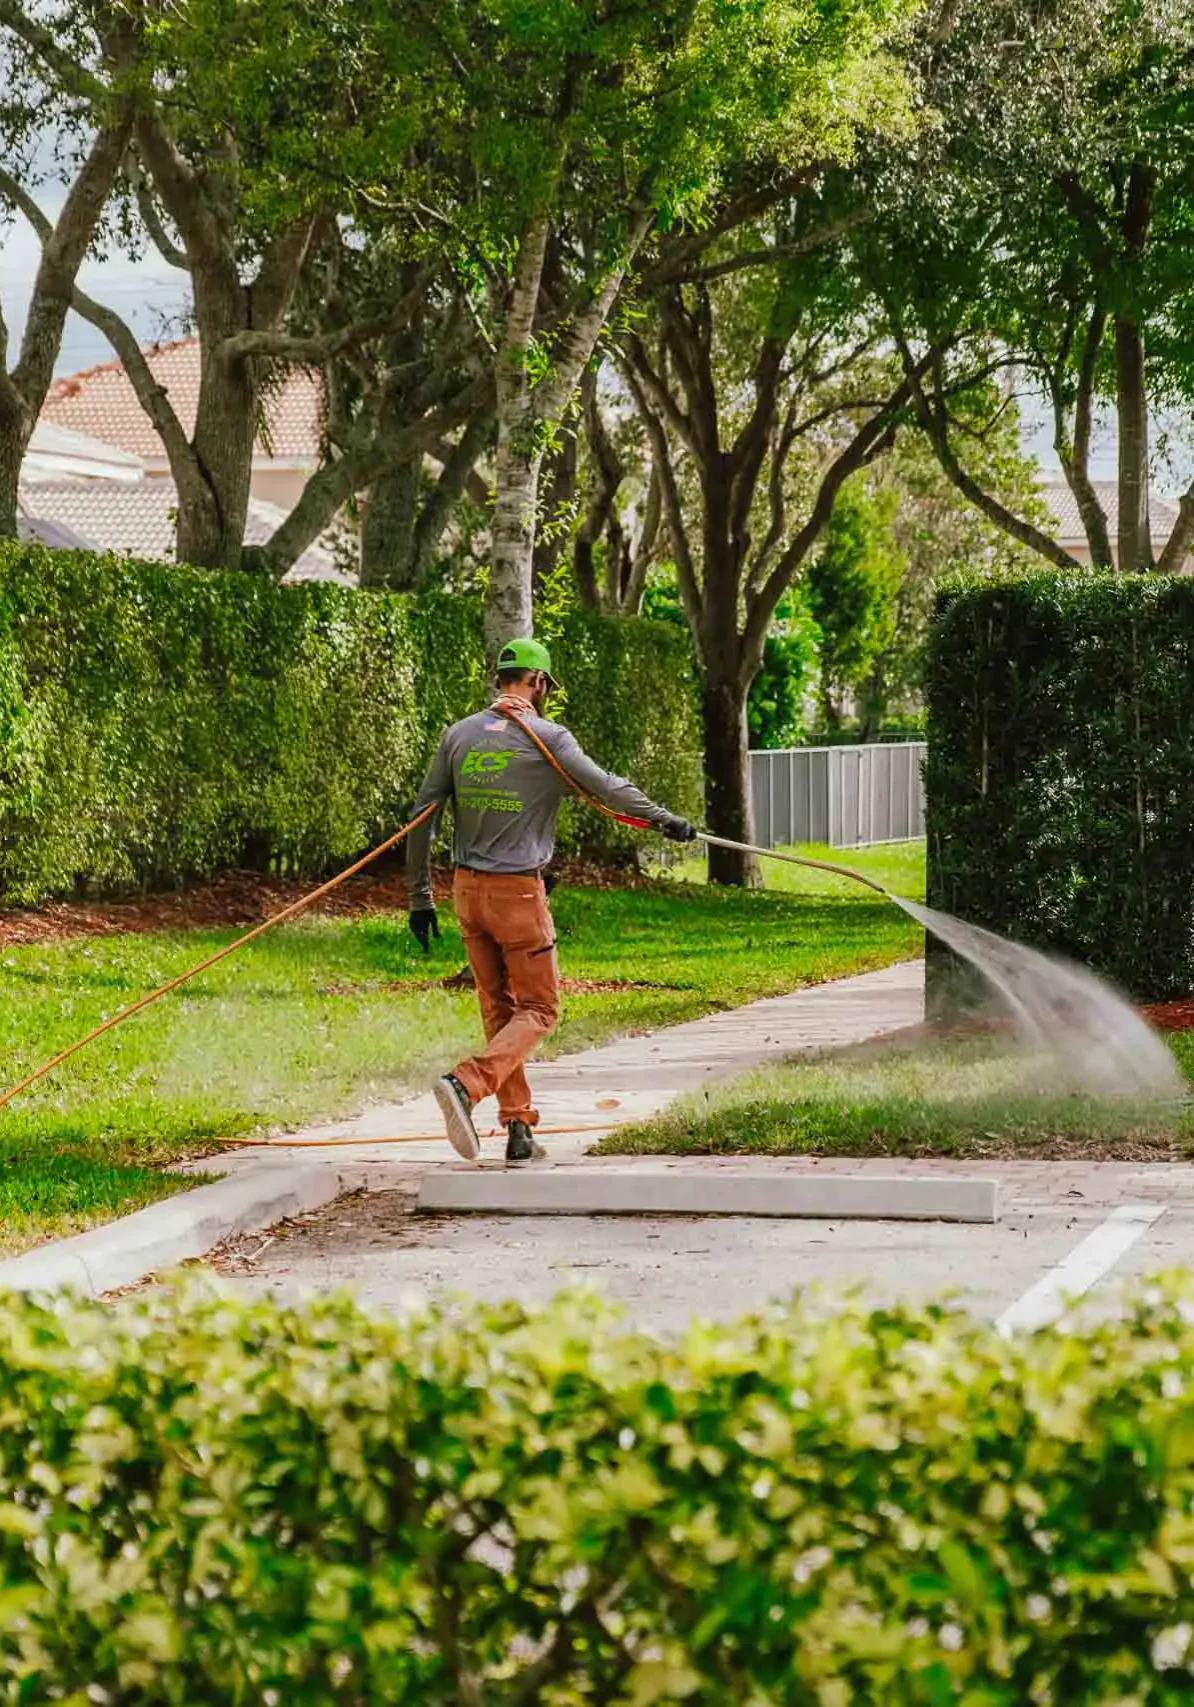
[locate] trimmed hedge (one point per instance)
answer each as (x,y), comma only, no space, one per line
(1060,776)
(158,724)
(204,1501)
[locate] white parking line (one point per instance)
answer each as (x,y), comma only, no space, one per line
(1083,1268)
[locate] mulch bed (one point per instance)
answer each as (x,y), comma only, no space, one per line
(1163,1016)
(234,898)
(1171,1016)
(248,897)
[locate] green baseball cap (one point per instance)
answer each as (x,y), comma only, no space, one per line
(526,655)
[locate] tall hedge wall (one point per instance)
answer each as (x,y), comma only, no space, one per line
(214,1504)
(157,724)
(1060,776)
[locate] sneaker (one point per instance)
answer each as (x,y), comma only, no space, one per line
(521,1145)
(456,1106)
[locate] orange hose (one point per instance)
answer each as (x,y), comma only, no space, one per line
(504,707)
(289,913)
(220,954)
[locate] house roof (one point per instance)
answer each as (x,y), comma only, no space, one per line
(101,403)
(52,534)
(56,453)
(1067,527)
(140,521)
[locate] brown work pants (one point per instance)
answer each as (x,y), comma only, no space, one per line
(510,939)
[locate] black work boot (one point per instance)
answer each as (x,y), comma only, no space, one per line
(521,1145)
(456,1106)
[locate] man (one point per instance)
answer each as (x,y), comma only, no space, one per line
(506,793)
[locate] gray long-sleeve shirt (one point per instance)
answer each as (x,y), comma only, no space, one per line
(506,796)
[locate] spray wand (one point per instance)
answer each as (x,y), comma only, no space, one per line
(796,859)
(507,709)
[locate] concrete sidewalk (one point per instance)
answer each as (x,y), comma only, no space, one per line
(617,1084)
(1066,1228)
(1061,1233)
(593,1092)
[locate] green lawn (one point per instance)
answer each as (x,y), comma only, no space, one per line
(308,1022)
(967,1099)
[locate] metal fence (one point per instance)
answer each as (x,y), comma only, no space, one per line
(846,797)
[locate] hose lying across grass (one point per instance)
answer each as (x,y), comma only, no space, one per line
(305,901)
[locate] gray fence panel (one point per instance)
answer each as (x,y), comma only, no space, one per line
(781,791)
(848,797)
(766,829)
(820,795)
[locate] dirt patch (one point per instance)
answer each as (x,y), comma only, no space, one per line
(1145,1147)
(356,1220)
(248,897)
(463,981)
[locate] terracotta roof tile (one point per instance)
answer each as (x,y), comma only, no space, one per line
(1067,527)
(101,403)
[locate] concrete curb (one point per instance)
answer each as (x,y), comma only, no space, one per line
(595,1188)
(177,1230)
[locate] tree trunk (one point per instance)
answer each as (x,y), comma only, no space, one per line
(617,564)
(211,535)
(606,475)
(872,704)
(1076,464)
(63,248)
(14,436)
(211,524)
(1094,521)
(214,469)
(508,604)
(1135,542)
(728,808)
(508,610)
(634,581)
(1177,547)
(213,493)
(584,570)
(388,529)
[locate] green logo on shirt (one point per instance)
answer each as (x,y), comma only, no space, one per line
(480,763)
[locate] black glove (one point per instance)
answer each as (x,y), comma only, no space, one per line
(679,829)
(549,882)
(424,924)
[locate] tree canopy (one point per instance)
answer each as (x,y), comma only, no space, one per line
(1045,217)
(725,306)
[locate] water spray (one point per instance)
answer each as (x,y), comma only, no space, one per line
(1096,1042)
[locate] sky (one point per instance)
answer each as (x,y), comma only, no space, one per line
(151,296)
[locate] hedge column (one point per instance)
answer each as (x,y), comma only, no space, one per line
(1060,778)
